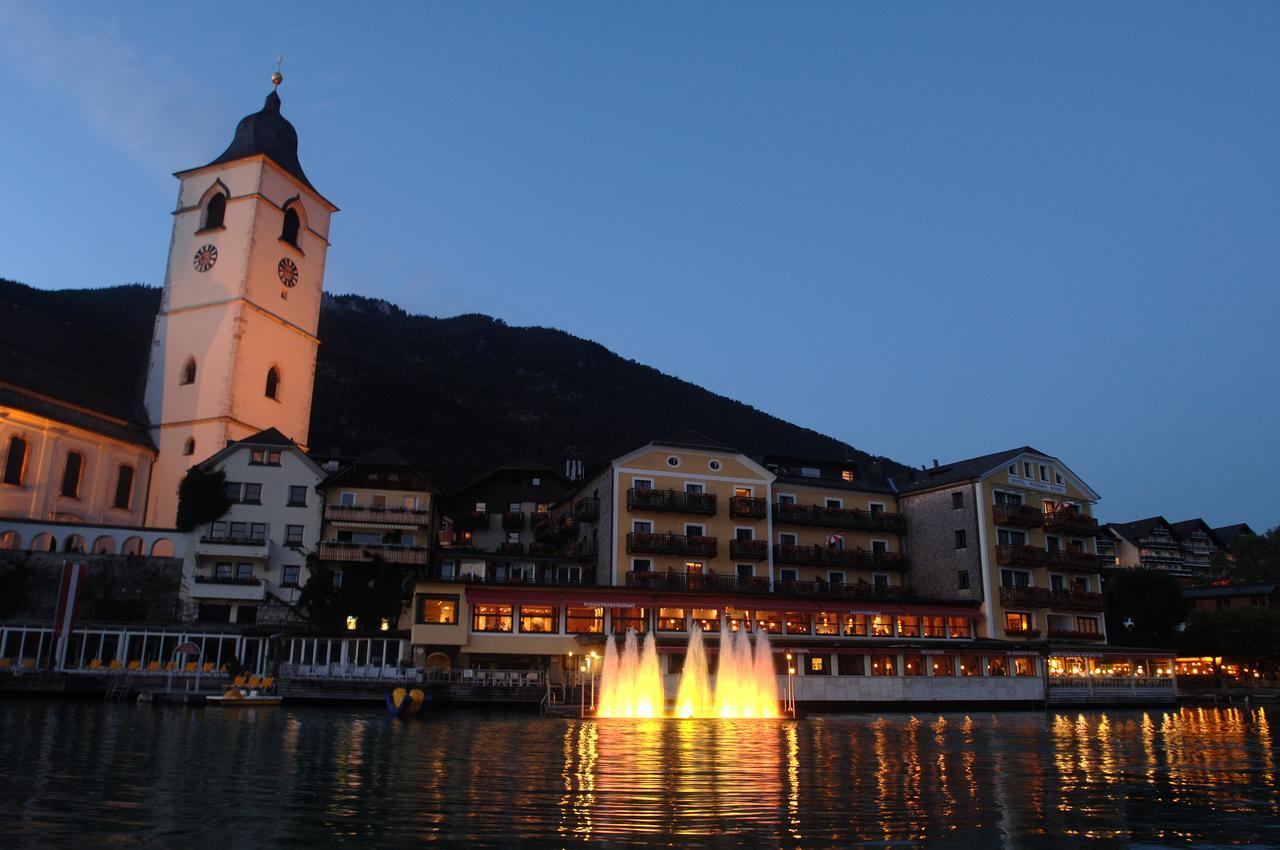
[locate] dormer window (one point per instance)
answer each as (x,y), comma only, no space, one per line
(289,233)
(215,211)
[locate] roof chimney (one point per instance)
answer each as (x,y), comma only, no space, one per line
(935,463)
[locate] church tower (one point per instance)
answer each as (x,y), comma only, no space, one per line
(234,349)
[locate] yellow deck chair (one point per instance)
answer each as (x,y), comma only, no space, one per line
(222,669)
(6,663)
(115,664)
(95,664)
(153,667)
(267,683)
(254,681)
(134,665)
(239,681)
(28,664)
(190,667)
(207,668)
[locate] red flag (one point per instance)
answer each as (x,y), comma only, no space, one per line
(68,599)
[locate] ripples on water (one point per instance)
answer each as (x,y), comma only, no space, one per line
(81,774)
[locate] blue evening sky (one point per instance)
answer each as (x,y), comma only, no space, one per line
(932,230)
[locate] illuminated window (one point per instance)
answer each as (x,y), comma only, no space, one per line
(634,619)
(707,618)
(770,621)
(15,461)
(1016,622)
(438,610)
(540,618)
(997,665)
(817,665)
(826,623)
(854,625)
(913,664)
(1024,665)
(884,665)
(797,622)
(738,618)
(909,625)
(491,618)
(970,665)
(584,621)
(941,665)
(671,620)
(881,625)
(1087,625)
(959,627)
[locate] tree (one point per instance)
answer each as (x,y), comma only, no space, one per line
(370,592)
(1249,635)
(1252,557)
(202,497)
(1151,601)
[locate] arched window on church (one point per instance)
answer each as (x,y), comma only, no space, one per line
(273,382)
(190,447)
(15,461)
(289,233)
(215,211)
(189,371)
(71,475)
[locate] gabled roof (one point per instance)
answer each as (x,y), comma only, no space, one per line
(269,438)
(383,458)
(689,439)
(1184,529)
(1138,528)
(975,468)
(1227,534)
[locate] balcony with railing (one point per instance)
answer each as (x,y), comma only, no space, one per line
(363,552)
(1073,559)
(851,518)
(587,509)
(245,589)
(1019,555)
(1021,516)
(748,507)
(547,577)
(1026,634)
(377,514)
(1027,597)
(234,545)
(842,590)
(1070,521)
(1077,600)
(640,542)
(671,501)
(1075,634)
(830,556)
(749,550)
(711,583)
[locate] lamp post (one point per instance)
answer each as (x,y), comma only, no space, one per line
(582,691)
(591,675)
(791,691)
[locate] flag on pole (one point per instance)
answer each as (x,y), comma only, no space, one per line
(68,602)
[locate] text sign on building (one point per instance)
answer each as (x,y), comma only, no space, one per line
(1032,484)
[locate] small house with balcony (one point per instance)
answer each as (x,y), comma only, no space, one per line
(248,565)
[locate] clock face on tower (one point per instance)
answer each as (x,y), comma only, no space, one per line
(205,257)
(288,271)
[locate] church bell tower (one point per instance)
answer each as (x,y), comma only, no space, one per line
(234,349)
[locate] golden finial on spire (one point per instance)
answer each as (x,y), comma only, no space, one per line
(277,78)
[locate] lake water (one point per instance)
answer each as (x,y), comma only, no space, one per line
(88,774)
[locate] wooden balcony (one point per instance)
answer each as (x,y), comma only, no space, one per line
(587,509)
(851,518)
(1027,634)
(712,583)
(1015,555)
(671,501)
(829,556)
(365,552)
(1018,516)
(1026,597)
(547,577)
(842,590)
(1075,634)
(639,542)
(377,515)
(748,507)
(749,550)
(1078,600)
(1071,521)
(1073,559)
(513,521)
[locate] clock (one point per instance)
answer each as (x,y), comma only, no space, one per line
(288,271)
(205,257)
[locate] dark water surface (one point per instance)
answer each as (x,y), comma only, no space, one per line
(92,775)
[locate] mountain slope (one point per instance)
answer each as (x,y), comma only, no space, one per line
(464,394)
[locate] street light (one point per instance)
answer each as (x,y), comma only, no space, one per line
(591,675)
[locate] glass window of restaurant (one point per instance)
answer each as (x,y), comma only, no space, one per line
(491,618)
(997,665)
(909,625)
(636,619)
(1024,665)
(826,623)
(882,625)
(707,618)
(971,665)
(913,664)
(852,665)
(544,619)
(959,627)
(855,625)
(672,620)
(438,610)
(933,627)
(739,618)
(770,621)
(817,665)
(941,665)
(884,665)
(797,622)
(579,620)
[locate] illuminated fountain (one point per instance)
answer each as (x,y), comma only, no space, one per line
(745,684)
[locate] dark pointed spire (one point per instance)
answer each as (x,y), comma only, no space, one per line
(266,132)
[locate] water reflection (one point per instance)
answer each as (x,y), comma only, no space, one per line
(87,774)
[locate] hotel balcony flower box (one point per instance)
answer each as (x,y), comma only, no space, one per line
(1075,634)
(587,509)
(1029,634)
(748,507)
(1034,597)
(671,580)
(378,515)
(841,590)
(513,521)
(1023,516)
(1077,600)
(830,556)
(640,542)
(852,518)
(671,501)
(239,547)
(1071,521)
(544,577)
(1073,559)
(750,550)
(245,590)
(1016,555)
(331,550)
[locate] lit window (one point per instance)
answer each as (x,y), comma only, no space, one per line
(671,620)
(941,665)
(884,665)
(584,621)
(770,621)
(630,619)
(491,618)
(540,618)
(438,610)
(707,618)
(797,623)
(909,625)
(855,625)
(913,664)
(881,625)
